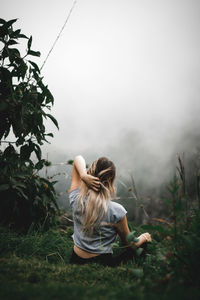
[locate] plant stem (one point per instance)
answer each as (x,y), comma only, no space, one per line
(198,189)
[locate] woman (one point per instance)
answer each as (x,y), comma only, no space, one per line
(97,219)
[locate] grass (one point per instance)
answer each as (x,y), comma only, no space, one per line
(36,266)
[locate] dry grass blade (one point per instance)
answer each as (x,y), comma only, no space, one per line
(162,221)
(135,194)
(134,187)
(55,253)
(145,212)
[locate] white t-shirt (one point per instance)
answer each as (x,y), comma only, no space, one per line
(103,237)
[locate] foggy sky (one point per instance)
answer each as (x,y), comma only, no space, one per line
(124,74)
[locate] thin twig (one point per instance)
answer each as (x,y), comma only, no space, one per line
(123,198)
(134,193)
(68,219)
(7,142)
(134,187)
(69,14)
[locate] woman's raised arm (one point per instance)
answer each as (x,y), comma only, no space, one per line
(79,173)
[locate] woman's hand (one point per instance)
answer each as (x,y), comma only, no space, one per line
(79,174)
(91,181)
(144,238)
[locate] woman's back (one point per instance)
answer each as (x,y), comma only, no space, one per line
(102,237)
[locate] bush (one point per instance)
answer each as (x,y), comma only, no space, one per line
(26,198)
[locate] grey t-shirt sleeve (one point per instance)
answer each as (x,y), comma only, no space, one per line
(117,212)
(73,197)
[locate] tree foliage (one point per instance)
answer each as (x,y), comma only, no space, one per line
(25,102)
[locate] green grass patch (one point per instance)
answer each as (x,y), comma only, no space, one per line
(36,266)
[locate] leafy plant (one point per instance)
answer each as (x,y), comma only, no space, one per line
(24,97)
(24,104)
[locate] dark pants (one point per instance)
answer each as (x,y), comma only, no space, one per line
(106,259)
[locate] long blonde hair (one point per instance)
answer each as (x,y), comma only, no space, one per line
(95,207)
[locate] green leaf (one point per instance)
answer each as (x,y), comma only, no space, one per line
(29,43)
(40,164)
(131,237)
(49,134)
(20,176)
(137,273)
(7,130)
(45,198)
(54,182)
(19,184)
(2,21)
(38,151)
(139,251)
(26,150)
(36,200)
(47,163)
(5,75)
(11,42)
(45,180)
(22,68)
(3,32)
(20,141)
(13,54)
(15,33)
(9,151)
(35,66)
(4,187)
(4,53)
(33,53)
(48,95)
(23,36)
(114,245)
(21,192)
(53,120)
(9,23)
(130,227)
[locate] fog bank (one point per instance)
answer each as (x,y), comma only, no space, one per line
(125,77)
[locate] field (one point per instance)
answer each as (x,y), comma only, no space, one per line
(35,248)
(36,266)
